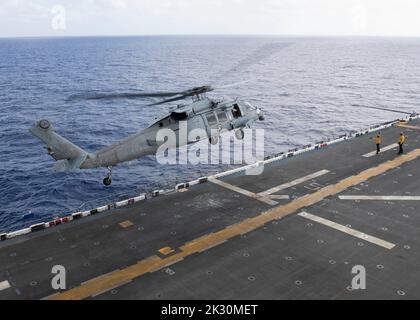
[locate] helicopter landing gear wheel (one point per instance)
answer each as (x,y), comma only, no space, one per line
(214,140)
(108,180)
(240,134)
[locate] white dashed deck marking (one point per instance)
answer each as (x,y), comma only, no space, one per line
(347,230)
(388,148)
(294,183)
(380,198)
(4,285)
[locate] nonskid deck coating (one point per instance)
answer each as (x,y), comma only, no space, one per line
(199,246)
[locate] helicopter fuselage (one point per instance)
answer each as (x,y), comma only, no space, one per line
(185,124)
(206,115)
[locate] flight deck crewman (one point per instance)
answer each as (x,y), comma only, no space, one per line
(401,142)
(378,142)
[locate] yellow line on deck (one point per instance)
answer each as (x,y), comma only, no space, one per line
(201,244)
(126,224)
(167,250)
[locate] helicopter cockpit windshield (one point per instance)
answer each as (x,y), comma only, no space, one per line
(179,116)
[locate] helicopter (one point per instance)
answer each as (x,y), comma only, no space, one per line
(212,116)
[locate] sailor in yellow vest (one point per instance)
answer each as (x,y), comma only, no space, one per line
(378,142)
(401,142)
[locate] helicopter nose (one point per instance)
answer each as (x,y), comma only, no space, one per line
(260,115)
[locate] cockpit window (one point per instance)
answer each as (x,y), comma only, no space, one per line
(179,116)
(236,111)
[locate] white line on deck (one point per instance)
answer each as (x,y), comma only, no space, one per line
(4,285)
(279,197)
(373,153)
(267,196)
(294,183)
(244,192)
(349,231)
(380,198)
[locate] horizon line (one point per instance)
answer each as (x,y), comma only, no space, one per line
(207,35)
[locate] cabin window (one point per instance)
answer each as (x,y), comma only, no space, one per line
(222,117)
(236,111)
(211,119)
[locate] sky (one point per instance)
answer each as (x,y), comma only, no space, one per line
(167,17)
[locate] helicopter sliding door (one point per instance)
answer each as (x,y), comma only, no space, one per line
(217,121)
(236,111)
(212,120)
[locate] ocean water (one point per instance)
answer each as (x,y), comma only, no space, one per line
(308,87)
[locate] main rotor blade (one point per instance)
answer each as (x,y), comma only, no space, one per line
(261,53)
(230,85)
(170,100)
(381,108)
(125,95)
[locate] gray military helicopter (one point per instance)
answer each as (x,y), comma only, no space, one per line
(212,116)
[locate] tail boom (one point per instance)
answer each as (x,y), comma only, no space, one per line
(68,155)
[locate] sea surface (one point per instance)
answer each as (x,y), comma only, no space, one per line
(309,88)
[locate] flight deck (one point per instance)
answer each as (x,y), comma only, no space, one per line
(296,231)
